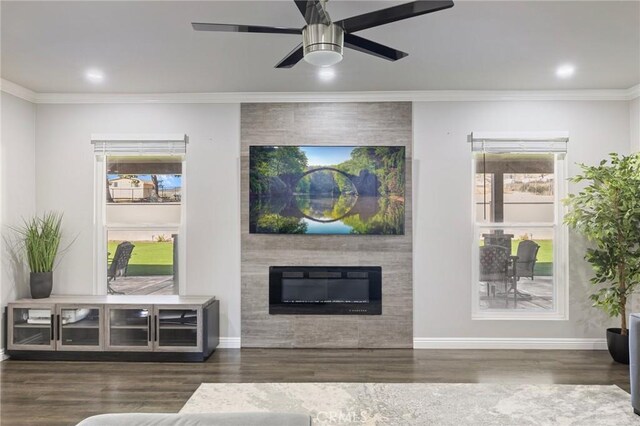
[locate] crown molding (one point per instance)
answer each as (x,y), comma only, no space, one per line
(17,90)
(389,96)
(633,92)
(380,96)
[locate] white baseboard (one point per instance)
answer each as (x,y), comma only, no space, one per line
(229,343)
(508,343)
(480,343)
(468,343)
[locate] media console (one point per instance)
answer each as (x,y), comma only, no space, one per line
(116,328)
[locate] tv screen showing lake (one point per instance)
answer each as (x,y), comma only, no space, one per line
(327,190)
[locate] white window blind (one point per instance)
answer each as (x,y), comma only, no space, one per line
(493,142)
(139,144)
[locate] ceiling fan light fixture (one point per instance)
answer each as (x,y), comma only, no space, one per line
(324,40)
(323,44)
(323,58)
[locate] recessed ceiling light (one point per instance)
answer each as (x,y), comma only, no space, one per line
(326,74)
(565,71)
(94,76)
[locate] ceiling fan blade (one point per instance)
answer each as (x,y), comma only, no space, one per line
(236,28)
(364,45)
(292,58)
(392,14)
(313,12)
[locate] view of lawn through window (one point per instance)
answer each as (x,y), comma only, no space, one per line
(544,262)
(143,213)
(149,257)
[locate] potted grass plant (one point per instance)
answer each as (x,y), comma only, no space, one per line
(40,237)
(607,212)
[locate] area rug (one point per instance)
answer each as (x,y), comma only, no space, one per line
(423,403)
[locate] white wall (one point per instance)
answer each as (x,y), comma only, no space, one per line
(17,193)
(634,124)
(444,232)
(64,159)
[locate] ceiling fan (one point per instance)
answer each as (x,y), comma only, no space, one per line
(323,40)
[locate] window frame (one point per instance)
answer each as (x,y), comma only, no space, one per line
(560,311)
(101,228)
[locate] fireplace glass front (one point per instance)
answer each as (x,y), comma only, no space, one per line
(325,290)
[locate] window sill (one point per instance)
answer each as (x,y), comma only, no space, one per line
(499,315)
(142,226)
(124,203)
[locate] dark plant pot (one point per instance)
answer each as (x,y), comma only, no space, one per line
(618,345)
(41,284)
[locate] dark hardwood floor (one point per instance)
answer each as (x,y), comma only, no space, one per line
(63,393)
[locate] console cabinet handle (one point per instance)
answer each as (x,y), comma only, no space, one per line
(149,322)
(157,327)
(59,327)
(53,330)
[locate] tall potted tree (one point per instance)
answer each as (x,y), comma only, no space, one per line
(607,212)
(40,237)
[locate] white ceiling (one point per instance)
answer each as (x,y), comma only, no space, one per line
(149,47)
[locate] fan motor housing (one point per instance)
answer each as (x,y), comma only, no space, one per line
(326,41)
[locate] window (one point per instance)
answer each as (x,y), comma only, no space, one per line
(140,209)
(519,240)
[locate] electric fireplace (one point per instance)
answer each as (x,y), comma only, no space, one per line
(325,290)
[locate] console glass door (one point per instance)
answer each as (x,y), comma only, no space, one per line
(129,328)
(178,329)
(79,327)
(31,327)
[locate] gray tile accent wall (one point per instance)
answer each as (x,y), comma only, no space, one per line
(350,124)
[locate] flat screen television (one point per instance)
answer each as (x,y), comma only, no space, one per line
(327,190)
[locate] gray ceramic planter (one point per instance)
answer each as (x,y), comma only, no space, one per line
(41,284)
